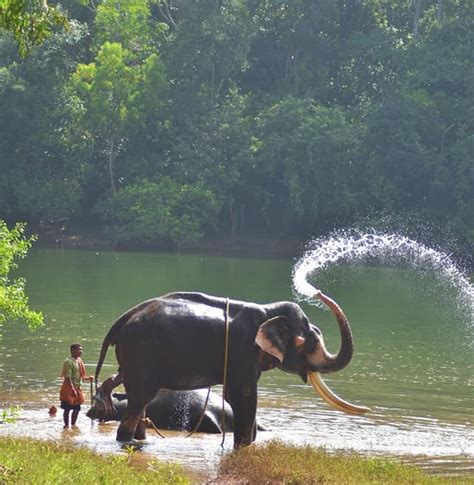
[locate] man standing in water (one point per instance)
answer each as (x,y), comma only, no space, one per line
(71,396)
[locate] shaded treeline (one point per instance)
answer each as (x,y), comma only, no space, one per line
(171,121)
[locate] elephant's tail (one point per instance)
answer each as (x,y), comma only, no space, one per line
(108,341)
(112,336)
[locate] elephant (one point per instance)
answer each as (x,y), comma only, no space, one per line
(173,410)
(191,340)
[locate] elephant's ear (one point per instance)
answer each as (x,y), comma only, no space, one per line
(273,336)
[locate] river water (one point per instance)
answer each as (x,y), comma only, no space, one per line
(413,363)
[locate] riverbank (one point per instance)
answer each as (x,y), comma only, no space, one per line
(28,461)
(86,238)
(83,237)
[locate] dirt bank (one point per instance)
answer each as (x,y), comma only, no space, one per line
(274,248)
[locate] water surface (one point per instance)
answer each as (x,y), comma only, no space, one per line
(413,364)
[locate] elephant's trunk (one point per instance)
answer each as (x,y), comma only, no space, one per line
(331,362)
(334,362)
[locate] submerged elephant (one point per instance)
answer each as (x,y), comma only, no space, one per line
(173,410)
(178,341)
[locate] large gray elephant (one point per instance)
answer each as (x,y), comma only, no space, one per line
(173,410)
(178,341)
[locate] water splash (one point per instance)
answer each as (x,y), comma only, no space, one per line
(382,249)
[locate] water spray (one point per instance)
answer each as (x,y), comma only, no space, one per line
(386,249)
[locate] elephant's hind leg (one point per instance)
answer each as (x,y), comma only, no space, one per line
(132,425)
(140,431)
(126,430)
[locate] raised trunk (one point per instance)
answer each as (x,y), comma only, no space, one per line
(329,363)
(335,362)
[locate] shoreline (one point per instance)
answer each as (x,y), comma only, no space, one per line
(261,248)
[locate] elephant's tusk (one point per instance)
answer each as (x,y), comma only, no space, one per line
(323,390)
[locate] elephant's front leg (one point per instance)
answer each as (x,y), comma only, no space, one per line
(243,400)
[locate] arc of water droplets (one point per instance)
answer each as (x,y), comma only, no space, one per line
(391,247)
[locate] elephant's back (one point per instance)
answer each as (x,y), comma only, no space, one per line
(170,321)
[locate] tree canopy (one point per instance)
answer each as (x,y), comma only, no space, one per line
(171,121)
(30,21)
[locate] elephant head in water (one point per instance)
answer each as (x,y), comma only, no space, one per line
(184,341)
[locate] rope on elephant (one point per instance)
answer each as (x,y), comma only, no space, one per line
(224,381)
(148,422)
(202,414)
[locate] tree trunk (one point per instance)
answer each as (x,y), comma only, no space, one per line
(111,159)
(233,221)
(165,11)
(440,12)
(241,219)
(416,19)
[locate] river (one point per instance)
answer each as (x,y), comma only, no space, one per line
(413,363)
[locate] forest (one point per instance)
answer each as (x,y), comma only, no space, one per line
(163,123)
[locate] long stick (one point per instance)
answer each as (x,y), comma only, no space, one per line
(92,400)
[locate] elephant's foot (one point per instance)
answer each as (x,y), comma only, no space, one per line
(124,436)
(140,432)
(127,428)
(242,444)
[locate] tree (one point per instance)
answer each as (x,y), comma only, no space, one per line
(13,300)
(129,23)
(206,51)
(123,87)
(116,94)
(325,50)
(163,212)
(309,165)
(30,21)
(214,151)
(42,172)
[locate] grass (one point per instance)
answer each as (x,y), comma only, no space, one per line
(279,463)
(28,461)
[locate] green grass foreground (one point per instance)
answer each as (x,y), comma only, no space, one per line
(28,461)
(280,463)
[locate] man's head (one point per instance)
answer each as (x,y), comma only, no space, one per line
(76,350)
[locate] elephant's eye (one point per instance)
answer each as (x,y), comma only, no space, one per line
(312,340)
(310,344)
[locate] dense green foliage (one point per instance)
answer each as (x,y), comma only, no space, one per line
(13,300)
(170,121)
(30,21)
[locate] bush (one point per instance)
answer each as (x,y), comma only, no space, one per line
(13,300)
(156,213)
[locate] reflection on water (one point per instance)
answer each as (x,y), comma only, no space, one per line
(413,363)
